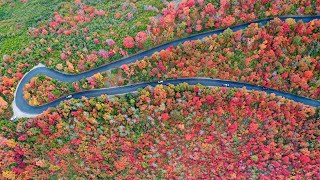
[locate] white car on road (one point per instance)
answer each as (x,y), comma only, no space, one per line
(68,97)
(13,118)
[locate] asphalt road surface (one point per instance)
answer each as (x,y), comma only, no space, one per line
(23,105)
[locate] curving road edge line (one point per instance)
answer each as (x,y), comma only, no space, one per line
(22,109)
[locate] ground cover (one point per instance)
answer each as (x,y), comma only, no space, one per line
(15,19)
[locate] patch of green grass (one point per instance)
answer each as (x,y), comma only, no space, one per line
(17,17)
(14,43)
(7,127)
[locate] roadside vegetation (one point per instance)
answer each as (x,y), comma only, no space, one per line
(167,132)
(49,37)
(81,35)
(281,55)
(162,132)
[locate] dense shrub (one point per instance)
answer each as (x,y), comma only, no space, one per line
(174,132)
(71,39)
(281,55)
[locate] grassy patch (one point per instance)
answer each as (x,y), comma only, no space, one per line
(17,17)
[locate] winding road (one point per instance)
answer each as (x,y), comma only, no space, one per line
(23,109)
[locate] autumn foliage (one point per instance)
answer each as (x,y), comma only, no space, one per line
(166,132)
(190,16)
(80,35)
(42,89)
(280,55)
(128,42)
(169,132)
